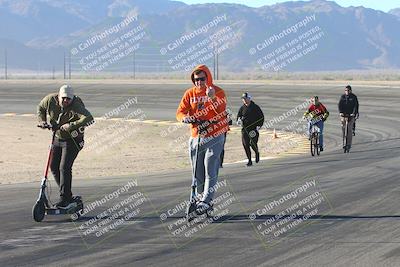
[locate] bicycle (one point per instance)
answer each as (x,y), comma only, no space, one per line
(314,140)
(346,146)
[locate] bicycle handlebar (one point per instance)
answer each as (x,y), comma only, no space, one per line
(347,115)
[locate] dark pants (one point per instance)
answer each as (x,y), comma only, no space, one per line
(250,139)
(64,155)
(222,153)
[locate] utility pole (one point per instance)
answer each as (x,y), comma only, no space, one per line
(217,60)
(65,71)
(214,63)
(5,64)
(70,65)
(134,65)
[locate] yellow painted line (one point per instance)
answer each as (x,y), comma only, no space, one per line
(133,120)
(9,114)
(166,122)
(27,115)
(151,121)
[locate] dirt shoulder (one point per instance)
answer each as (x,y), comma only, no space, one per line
(118,147)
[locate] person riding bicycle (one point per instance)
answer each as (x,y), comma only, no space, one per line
(317,114)
(204,107)
(357,115)
(348,109)
(68,137)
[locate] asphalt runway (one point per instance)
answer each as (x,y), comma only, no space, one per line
(333,210)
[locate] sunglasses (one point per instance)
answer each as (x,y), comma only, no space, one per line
(200,79)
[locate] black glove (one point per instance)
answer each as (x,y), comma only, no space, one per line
(43,125)
(55,126)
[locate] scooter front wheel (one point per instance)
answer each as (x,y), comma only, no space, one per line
(38,211)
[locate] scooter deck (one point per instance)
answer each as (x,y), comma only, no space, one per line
(59,211)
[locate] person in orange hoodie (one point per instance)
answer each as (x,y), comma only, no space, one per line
(203,106)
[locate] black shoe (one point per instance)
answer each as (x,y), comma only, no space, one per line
(321,148)
(354,133)
(203,207)
(249,164)
(257,157)
(65,204)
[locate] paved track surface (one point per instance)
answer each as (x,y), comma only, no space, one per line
(356,220)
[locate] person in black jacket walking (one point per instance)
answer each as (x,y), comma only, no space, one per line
(357,115)
(251,117)
(348,109)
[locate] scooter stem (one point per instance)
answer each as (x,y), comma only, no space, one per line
(46,171)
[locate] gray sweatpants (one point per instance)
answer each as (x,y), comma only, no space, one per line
(207,167)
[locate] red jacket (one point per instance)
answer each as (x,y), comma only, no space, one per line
(317,111)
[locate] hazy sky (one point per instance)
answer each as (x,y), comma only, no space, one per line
(384,5)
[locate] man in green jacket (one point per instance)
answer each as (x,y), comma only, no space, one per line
(68,138)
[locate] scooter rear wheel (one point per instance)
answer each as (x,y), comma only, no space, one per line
(76,215)
(38,211)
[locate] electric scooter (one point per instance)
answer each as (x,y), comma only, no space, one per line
(42,206)
(192,210)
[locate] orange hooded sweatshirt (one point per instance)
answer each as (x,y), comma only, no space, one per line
(197,104)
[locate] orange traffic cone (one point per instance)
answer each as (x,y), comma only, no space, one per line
(274,135)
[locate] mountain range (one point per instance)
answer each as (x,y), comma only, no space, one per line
(37,33)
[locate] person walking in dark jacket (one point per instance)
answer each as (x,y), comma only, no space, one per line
(251,117)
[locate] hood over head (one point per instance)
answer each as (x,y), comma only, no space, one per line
(209,81)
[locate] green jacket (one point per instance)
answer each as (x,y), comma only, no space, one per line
(75,114)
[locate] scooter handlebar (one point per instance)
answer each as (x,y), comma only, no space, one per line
(196,121)
(48,126)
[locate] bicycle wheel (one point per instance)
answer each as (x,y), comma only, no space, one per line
(317,144)
(312,144)
(345,135)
